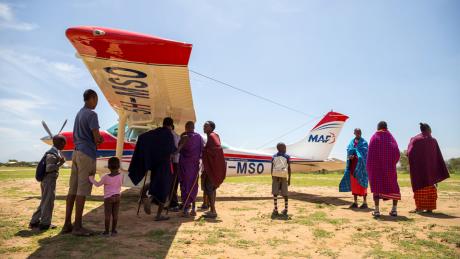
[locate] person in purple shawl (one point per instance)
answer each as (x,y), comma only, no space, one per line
(427,168)
(382,157)
(190,147)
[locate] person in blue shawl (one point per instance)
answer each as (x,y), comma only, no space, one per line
(355,178)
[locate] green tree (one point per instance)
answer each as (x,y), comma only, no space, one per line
(453,164)
(403,161)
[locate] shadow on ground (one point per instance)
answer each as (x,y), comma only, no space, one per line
(138,236)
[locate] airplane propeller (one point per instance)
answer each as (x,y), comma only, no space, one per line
(63,125)
(47,129)
(45,126)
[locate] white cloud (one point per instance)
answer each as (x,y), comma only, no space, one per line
(9,21)
(21,111)
(41,68)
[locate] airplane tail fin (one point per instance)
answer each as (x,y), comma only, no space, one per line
(318,143)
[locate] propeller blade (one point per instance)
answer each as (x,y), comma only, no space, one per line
(47,129)
(63,125)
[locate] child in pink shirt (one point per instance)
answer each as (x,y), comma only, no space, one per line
(112,188)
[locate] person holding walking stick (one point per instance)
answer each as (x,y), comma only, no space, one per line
(190,149)
(154,150)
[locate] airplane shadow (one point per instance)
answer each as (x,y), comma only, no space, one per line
(138,236)
(318,199)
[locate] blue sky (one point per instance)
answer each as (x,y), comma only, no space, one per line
(397,61)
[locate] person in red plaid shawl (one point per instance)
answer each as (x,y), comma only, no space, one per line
(427,168)
(382,157)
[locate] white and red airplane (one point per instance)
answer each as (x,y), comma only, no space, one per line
(146,78)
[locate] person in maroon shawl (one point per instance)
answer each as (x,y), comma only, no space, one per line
(427,168)
(214,166)
(190,148)
(382,157)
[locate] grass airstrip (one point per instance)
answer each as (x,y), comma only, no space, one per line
(320,224)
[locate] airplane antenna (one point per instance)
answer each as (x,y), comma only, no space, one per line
(252,94)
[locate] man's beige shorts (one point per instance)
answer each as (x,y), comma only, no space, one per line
(82,167)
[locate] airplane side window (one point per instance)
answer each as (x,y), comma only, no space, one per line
(133,134)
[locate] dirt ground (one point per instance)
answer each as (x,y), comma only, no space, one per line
(320,225)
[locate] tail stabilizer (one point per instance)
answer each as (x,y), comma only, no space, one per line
(318,143)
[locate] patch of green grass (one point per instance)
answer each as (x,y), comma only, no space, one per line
(367,235)
(220,235)
(243,243)
(332,180)
(427,248)
(321,233)
(275,242)
(13,173)
(377,252)
(410,246)
(451,237)
(317,217)
(328,252)
(200,222)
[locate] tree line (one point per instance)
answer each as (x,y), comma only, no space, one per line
(453,164)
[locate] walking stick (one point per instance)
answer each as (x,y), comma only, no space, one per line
(172,190)
(140,194)
(193,186)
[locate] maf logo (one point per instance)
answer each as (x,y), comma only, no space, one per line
(330,139)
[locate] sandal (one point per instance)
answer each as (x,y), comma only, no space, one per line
(376,214)
(393,213)
(364,206)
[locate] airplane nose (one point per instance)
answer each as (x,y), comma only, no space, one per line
(47,140)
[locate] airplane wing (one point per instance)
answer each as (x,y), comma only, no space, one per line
(142,76)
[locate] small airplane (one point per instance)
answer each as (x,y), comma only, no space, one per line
(146,78)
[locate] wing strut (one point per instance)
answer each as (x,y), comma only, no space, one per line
(121,134)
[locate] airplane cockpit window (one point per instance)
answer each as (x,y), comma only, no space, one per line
(133,133)
(113,130)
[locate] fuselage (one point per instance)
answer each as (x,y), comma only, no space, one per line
(238,161)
